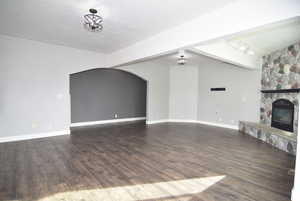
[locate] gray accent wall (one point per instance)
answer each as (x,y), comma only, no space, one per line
(101,93)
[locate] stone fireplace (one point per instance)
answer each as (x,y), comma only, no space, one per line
(267,110)
(279,109)
(283,115)
(280,80)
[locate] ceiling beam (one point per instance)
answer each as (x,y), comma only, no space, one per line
(237,17)
(222,51)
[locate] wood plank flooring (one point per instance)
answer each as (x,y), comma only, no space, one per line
(163,162)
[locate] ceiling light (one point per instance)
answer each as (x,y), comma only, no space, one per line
(243,48)
(233,44)
(250,52)
(92,21)
(181,60)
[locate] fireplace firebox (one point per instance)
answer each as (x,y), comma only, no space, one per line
(283,115)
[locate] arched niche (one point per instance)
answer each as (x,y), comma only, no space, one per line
(107,94)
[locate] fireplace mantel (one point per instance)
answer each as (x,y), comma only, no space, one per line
(282,91)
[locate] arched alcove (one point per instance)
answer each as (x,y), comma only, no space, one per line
(107,94)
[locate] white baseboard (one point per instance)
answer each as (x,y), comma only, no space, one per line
(91,123)
(295,195)
(219,125)
(193,121)
(67,132)
(157,121)
(182,121)
(34,136)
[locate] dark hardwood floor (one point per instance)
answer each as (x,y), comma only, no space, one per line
(182,162)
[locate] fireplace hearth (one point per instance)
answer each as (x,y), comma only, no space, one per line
(283,115)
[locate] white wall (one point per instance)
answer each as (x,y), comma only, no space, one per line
(192,100)
(183,98)
(34,85)
(157,76)
(240,101)
(296,188)
(34,88)
(182,93)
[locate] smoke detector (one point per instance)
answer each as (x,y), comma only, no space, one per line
(182,58)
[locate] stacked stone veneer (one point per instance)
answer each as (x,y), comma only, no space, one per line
(270,135)
(280,70)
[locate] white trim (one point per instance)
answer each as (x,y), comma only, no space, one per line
(296,188)
(193,121)
(34,136)
(294,194)
(157,121)
(109,121)
(182,121)
(219,125)
(67,132)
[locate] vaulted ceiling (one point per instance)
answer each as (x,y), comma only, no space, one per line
(246,49)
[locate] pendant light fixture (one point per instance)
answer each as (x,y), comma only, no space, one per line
(92,21)
(182,58)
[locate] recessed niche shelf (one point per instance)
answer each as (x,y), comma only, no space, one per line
(281,91)
(218,89)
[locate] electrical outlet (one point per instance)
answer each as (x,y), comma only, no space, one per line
(116,116)
(34,125)
(59,96)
